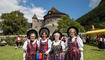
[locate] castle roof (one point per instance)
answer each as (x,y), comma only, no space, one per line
(53,12)
(34,17)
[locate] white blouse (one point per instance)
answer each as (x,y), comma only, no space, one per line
(79,41)
(49,44)
(62,44)
(102,39)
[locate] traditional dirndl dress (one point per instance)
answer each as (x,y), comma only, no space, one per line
(73,52)
(43,49)
(31,51)
(101,44)
(56,52)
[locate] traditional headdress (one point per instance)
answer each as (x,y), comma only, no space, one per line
(59,34)
(30,32)
(72,28)
(44,29)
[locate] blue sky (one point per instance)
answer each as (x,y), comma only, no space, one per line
(74,8)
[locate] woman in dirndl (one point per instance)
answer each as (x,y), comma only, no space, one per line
(101,44)
(30,46)
(58,47)
(45,43)
(74,45)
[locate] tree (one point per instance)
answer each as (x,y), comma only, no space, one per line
(65,22)
(14,23)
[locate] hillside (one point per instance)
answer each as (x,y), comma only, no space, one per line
(95,17)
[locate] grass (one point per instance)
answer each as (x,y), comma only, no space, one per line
(10,53)
(93,53)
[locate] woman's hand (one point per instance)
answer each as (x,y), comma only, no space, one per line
(46,53)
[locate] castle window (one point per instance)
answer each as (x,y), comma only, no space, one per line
(49,12)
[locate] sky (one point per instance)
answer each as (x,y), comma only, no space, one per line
(74,8)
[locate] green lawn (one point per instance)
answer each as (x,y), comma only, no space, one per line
(93,53)
(10,53)
(90,53)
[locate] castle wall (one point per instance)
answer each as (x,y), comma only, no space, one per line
(52,24)
(36,24)
(51,17)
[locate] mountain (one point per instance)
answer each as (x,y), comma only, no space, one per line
(95,17)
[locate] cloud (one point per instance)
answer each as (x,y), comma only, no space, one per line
(7,6)
(24,1)
(94,3)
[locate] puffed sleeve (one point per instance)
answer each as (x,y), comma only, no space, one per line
(38,43)
(100,39)
(49,46)
(66,45)
(104,39)
(25,46)
(80,43)
(63,45)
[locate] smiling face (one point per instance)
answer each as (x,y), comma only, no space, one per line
(56,36)
(72,32)
(44,35)
(32,36)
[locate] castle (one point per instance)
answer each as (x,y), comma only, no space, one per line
(50,20)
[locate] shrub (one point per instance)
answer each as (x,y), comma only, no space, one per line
(9,40)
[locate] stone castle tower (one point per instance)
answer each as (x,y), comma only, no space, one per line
(50,20)
(36,23)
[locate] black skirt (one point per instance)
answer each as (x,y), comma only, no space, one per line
(101,45)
